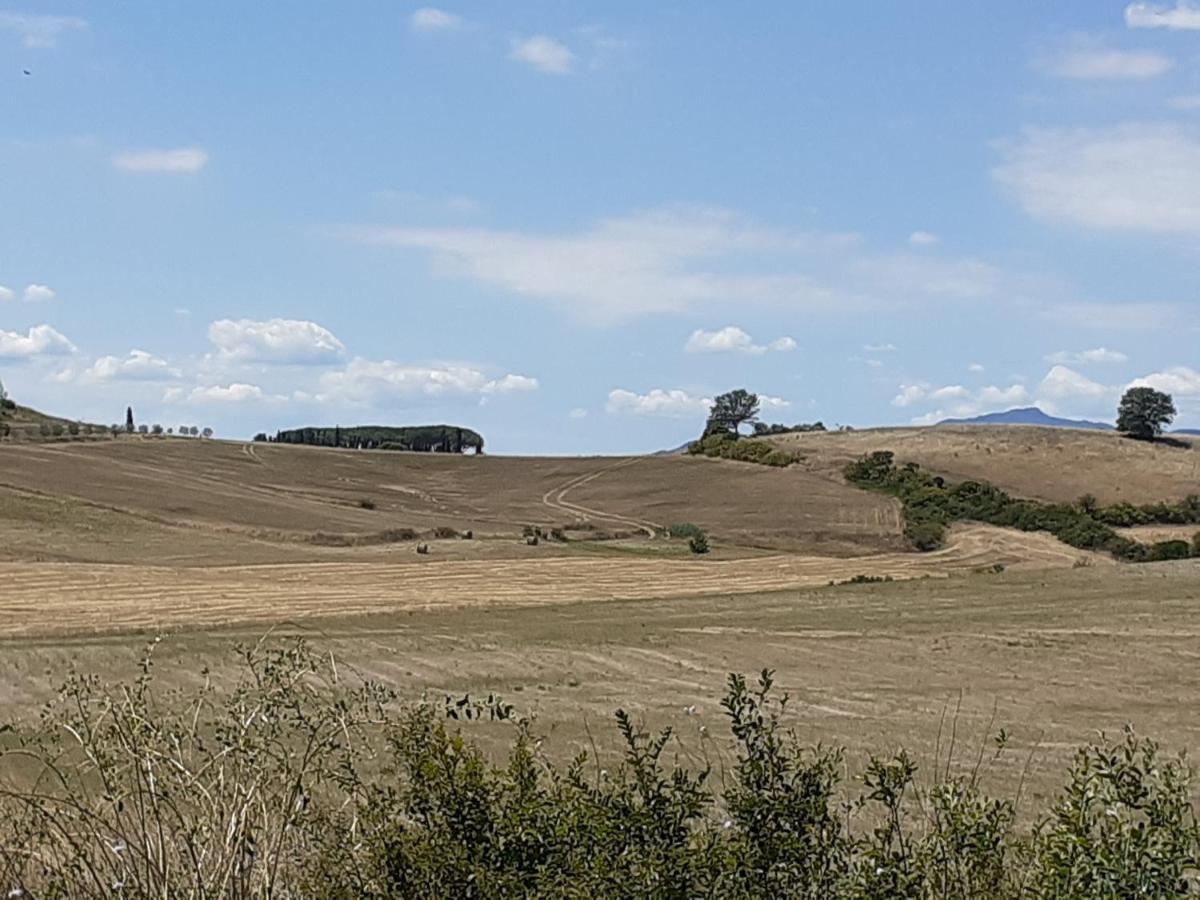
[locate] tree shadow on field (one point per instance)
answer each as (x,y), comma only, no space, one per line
(1163,439)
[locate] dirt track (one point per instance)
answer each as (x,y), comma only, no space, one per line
(46,599)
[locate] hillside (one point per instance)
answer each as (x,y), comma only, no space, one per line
(25,424)
(1054,464)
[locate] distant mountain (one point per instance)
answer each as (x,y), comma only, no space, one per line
(1029,415)
(1186,431)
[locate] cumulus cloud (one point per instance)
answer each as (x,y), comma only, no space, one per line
(657,402)
(1097,356)
(7,294)
(429,18)
(1183,16)
(137,366)
(732,339)
(1143,177)
(1178,380)
(42,340)
(371,383)
(957,401)
(544,53)
(1063,383)
(37,293)
(40,32)
(230,394)
(283,341)
(923,239)
(975,368)
(879,348)
(1109,65)
(577,413)
(183,159)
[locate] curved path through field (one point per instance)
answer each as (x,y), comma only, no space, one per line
(555,499)
(77,598)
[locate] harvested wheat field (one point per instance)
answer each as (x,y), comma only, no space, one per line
(71,599)
(105,544)
(1055,464)
(227,493)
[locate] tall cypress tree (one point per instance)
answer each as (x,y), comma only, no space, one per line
(129,419)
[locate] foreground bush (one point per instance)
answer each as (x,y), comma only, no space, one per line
(296,783)
(725,445)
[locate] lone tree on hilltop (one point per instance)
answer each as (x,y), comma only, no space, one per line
(1143,413)
(129,419)
(732,410)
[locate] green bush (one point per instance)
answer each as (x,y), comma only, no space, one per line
(698,543)
(930,506)
(726,445)
(1164,550)
(299,782)
(683,530)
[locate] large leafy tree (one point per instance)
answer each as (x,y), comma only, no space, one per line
(732,410)
(1144,411)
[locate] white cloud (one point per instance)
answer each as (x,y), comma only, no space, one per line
(7,294)
(1098,356)
(879,348)
(657,402)
(37,293)
(138,366)
(183,159)
(1184,16)
(1180,380)
(1135,176)
(577,413)
(428,18)
(284,341)
(234,393)
(544,54)
(371,383)
(963,402)
(975,367)
(910,394)
(767,402)
(993,397)
(40,32)
(620,268)
(1109,65)
(923,239)
(681,258)
(950,392)
(42,340)
(732,339)
(1062,383)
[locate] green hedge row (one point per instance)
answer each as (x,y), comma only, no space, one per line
(930,505)
(727,446)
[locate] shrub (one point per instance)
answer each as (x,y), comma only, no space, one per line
(930,505)
(1164,550)
(57,429)
(445,532)
(298,782)
(683,530)
(779,458)
(73,428)
(366,503)
(698,543)
(1196,544)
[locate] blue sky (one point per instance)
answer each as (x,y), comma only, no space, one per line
(570,224)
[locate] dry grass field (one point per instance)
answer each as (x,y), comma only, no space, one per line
(1055,464)
(103,544)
